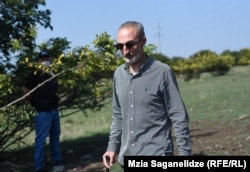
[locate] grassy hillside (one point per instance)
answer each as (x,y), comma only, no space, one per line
(219,112)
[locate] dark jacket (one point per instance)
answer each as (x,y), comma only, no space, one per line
(45,97)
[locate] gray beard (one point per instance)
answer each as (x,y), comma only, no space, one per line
(133,60)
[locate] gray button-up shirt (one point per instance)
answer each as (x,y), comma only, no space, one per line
(145,108)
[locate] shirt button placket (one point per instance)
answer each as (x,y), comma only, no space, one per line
(132,118)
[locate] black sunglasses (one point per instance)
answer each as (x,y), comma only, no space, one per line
(128,44)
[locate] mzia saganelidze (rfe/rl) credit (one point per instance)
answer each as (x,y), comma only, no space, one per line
(161,163)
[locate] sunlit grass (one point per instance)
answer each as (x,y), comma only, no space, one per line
(211,97)
(81,125)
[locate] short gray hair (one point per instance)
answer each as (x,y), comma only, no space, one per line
(134,24)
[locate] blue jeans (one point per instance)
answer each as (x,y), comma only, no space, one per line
(47,124)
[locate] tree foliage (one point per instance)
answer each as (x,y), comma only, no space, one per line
(161,57)
(241,57)
(18,21)
(84,77)
(204,61)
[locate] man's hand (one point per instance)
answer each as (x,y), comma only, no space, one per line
(108,159)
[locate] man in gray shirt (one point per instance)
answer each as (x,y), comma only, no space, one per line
(146,104)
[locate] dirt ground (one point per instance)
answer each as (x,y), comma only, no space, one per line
(207,140)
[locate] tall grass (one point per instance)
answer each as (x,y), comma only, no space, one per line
(221,106)
(85,125)
(210,98)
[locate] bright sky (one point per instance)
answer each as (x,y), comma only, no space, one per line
(176,27)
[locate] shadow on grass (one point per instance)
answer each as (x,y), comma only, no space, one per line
(79,155)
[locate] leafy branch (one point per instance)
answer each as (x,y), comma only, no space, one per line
(35,88)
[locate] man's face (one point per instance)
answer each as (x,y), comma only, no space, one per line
(44,61)
(128,43)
